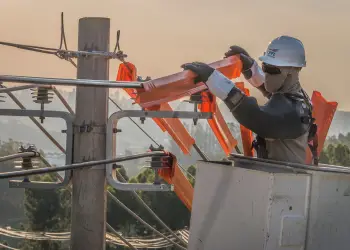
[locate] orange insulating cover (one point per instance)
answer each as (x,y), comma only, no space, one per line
(182,186)
(246,134)
(175,128)
(176,86)
(323,112)
(217,123)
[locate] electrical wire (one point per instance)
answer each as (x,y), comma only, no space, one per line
(22,87)
(63,40)
(121,177)
(7,247)
(148,135)
(64,102)
(120,236)
(12,174)
(19,155)
(145,223)
(110,194)
(108,226)
(143,203)
(148,242)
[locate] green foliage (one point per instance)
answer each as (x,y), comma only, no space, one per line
(340,139)
(191,173)
(11,199)
(46,210)
(336,155)
(49,210)
(165,204)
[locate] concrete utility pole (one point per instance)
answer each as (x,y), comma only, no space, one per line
(89,185)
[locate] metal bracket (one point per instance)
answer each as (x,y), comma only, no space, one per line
(112,123)
(89,128)
(195,99)
(139,79)
(69,146)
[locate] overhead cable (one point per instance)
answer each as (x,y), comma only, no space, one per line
(22,173)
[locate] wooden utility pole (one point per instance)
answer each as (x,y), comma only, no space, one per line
(89,185)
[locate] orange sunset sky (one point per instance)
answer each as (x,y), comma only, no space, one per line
(160,35)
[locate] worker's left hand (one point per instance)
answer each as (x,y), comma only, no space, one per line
(247,61)
(201,69)
(236,50)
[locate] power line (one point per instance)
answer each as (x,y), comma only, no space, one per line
(144,222)
(63,54)
(109,226)
(120,237)
(36,48)
(138,198)
(84,82)
(64,102)
(6,175)
(72,112)
(114,238)
(70,82)
(150,137)
(141,201)
(8,247)
(19,155)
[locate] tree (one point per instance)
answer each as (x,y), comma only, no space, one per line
(165,204)
(336,155)
(46,210)
(11,199)
(191,172)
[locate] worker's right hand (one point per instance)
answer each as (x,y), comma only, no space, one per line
(202,70)
(247,61)
(217,83)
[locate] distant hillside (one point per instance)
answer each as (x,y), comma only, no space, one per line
(23,129)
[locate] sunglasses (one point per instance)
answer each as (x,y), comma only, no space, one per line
(270,69)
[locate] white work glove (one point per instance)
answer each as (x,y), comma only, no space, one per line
(250,69)
(217,83)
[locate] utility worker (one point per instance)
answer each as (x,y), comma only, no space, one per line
(284,125)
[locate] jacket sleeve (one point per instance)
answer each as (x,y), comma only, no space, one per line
(277,119)
(256,77)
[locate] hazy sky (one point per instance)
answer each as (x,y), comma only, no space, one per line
(160,35)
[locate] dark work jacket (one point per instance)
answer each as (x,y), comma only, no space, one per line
(282,123)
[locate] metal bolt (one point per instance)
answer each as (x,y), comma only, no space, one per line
(116,130)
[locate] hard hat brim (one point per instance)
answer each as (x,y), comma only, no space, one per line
(279,63)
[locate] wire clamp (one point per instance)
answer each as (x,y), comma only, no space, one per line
(160,162)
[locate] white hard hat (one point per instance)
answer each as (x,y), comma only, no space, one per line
(285,51)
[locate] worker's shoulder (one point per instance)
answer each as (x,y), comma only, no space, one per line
(287,98)
(281,103)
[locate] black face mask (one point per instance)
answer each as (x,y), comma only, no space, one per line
(282,80)
(270,69)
